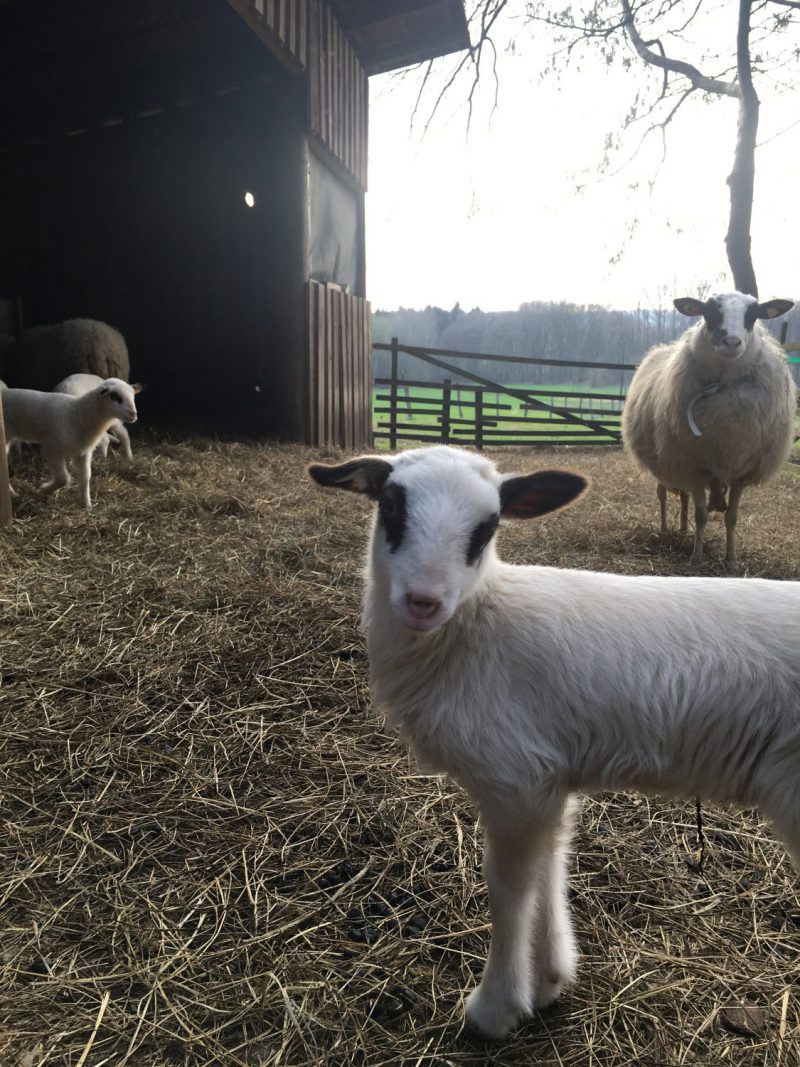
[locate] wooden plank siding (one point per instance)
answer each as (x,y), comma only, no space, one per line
(338,96)
(340,371)
(307,36)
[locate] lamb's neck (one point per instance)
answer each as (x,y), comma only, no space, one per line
(92,419)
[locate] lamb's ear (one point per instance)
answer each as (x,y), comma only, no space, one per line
(367,474)
(525,496)
(138,387)
(687,305)
(771,309)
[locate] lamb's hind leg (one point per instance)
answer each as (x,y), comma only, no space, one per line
(517,861)
(60,474)
(555,953)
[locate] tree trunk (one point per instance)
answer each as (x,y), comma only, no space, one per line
(742,178)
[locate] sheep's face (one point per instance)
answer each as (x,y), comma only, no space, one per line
(121,398)
(730,319)
(437,513)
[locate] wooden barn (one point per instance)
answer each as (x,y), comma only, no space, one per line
(193,172)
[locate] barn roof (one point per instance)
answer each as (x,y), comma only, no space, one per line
(388,34)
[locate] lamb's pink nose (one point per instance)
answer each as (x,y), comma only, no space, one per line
(422,607)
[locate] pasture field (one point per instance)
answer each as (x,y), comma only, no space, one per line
(213,854)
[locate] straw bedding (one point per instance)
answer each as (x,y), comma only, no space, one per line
(212,854)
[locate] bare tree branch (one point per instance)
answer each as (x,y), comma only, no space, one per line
(676,66)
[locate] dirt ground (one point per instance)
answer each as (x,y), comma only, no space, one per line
(212,852)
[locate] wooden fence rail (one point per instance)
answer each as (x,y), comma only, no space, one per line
(435,411)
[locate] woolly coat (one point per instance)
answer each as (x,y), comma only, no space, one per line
(44,355)
(744,410)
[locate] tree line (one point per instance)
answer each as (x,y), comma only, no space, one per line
(540,330)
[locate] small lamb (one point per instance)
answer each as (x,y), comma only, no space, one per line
(528,685)
(77,385)
(68,427)
(713,410)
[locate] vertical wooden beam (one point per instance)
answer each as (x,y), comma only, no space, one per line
(447,387)
(5,487)
(393,397)
(479,417)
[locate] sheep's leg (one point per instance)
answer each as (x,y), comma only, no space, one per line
(555,951)
(731,516)
(117,430)
(59,471)
(684,512)
(102,445)
(716,496)
(700,520)
(517,858)
(83,464)
(661,493)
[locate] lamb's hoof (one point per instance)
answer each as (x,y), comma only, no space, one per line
(550,989)
(493,1019)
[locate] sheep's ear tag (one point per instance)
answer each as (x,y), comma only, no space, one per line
(773,309)
(687,305)
(529,495)
(366,475)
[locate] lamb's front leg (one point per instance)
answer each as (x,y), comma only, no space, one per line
(83,464)
(517,859)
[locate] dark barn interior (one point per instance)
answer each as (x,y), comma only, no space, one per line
(135,131)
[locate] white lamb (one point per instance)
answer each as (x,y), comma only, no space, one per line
(713,410)
(67,427)
(77,385)
(530,684)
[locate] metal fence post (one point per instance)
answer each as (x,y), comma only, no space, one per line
(479,418)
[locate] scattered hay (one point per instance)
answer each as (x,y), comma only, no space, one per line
(212,854)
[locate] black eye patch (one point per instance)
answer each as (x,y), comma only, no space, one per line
(712,315)
(114,396)
(392,514)
(480,538)
(750,316)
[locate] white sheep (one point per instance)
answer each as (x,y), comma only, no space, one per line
(77,385)
(713,410)
(43,355)
(67,427)
(530,684)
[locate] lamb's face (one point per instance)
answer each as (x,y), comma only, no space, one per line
(121,398)
(730,319)
(433,538)
(438,510)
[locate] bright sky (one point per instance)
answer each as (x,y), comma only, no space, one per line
(492,216)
